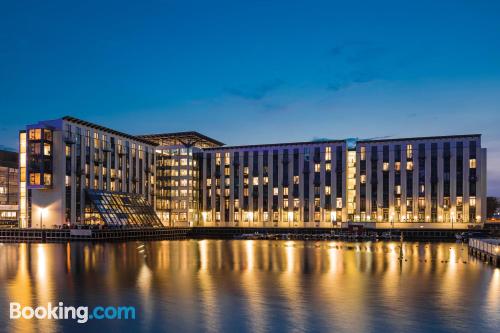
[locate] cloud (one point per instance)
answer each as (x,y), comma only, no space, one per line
(258,92)
(356,63)
(350,79)
(357,52)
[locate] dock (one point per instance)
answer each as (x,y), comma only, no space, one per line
(66,235)
(487,249)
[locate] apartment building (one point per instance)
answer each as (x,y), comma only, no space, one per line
(394,182)
(9,188)
(76,172)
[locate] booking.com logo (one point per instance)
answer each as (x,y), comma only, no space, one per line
(81,314)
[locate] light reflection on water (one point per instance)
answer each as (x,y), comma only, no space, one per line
(256,286)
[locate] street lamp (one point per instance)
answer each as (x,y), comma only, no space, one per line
(43,211)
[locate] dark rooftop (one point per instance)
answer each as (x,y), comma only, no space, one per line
(191,137)
(9,159)
(102,128)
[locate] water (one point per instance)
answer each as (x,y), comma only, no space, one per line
(255,286)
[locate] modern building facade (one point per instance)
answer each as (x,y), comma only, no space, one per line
(177,200)
(72,169)
(69,167)
(9,188)
(431,181)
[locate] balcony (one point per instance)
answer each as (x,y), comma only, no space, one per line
(70,139)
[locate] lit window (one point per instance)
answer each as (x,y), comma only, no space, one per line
(409,165)
(362,153)
(266,180)
(328,153)
(409,152)
(245,170)
(317,167)
(275,191)
(385,166)
(472,201)
(397,166)
(328,190)
(472,163)
(256,180)
(285,190)
(362,179)
(328,167)
(398,189)
(339,202)
(227,158)
(217,159)
(295,179)
(296,203)
(209,181)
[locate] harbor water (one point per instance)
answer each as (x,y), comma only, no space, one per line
(255,286)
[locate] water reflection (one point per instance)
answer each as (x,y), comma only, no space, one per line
(257,286)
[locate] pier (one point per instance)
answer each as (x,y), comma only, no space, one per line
(64,235)
(487,250)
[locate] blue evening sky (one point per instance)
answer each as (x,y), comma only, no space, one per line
(256,71)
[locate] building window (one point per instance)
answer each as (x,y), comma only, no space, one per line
(397,166)
(362,153)
(472,202)
(328,153)
(209,181)
(296,203)
(266,180)
(409,165)
(317,167)
(339,202)
(472,163)
(328,190)
(295,179)
(398,189)
(362,179)
(409,152)
(385,166)
(328,167)
(275,191)
(285,190)
(255,180)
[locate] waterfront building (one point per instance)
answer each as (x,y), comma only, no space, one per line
(70,167)
(9,188)
(177,200)
(76,172)
(392,183)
